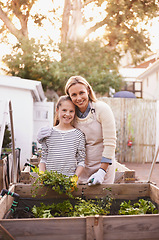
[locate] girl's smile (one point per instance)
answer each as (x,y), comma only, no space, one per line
(66,113)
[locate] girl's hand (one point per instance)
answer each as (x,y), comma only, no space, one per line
(74,180)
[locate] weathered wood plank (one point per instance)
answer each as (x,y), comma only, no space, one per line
(118,191)
(54,228)
(154,193)
(143,227)
(4,234)
(6,202)
(94,228)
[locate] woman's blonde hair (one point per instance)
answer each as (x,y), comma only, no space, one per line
(58,104)
(78,79)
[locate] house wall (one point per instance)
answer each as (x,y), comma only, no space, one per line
(151,85)
(157,129)
(22,106)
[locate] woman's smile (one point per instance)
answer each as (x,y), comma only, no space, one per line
(79,96)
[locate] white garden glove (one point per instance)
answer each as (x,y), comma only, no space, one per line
(97,177)
(43,133)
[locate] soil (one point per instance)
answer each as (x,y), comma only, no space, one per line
(25,205)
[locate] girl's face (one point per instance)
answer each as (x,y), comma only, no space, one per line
(66,112)
(79,96)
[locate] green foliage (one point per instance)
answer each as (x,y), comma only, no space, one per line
(141,207)
(33,61)
(93,61)
(88,59)
(7,138)
(123,25)
(57,181)
(80,209)
(123,21)
(92,207)
(64,209)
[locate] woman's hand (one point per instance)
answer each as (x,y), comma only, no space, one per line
(97,178)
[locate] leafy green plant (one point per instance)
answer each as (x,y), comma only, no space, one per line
(141,207)
(92,207)
(7,138)
(63,209)
(57,181)
(80,209)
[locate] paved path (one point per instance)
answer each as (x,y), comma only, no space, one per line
(142,171)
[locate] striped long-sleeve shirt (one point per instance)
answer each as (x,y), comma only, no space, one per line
(63,151)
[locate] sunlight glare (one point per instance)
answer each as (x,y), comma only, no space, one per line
(81,31)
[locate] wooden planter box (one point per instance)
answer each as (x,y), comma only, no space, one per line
(143,227)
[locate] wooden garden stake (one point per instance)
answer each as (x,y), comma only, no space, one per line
(152,166)
(13,144)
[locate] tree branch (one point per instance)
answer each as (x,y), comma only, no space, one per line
(96,26)
(17,33)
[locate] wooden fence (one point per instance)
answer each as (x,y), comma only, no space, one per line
(136,122)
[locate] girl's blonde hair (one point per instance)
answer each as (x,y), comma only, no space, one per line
(58,104)
(78,79)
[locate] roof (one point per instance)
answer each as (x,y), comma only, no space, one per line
(16,82)
(131,74)
(150,69)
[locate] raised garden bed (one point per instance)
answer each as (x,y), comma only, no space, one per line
(143,227)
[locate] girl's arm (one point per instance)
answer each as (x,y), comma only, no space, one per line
(42,167)
(42,164)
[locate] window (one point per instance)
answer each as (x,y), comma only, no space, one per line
(42,115)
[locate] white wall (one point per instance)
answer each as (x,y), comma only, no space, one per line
(43,116)
(157,128)
(22,106)
(151,85)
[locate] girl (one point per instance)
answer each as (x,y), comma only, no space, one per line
(64,149)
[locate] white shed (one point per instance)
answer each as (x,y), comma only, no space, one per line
(31,111)
(150,81)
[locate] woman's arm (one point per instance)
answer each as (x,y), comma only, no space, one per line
(81,153)
(79,170)
(106,117)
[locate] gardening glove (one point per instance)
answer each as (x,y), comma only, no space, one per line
(74,180)
(43,133)
(97,178)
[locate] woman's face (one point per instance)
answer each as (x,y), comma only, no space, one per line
(79,96)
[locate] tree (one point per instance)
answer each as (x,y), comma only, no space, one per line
(97,61)
(19,9)
(120,20)
(88,59)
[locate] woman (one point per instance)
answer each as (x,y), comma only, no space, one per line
(95,119)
